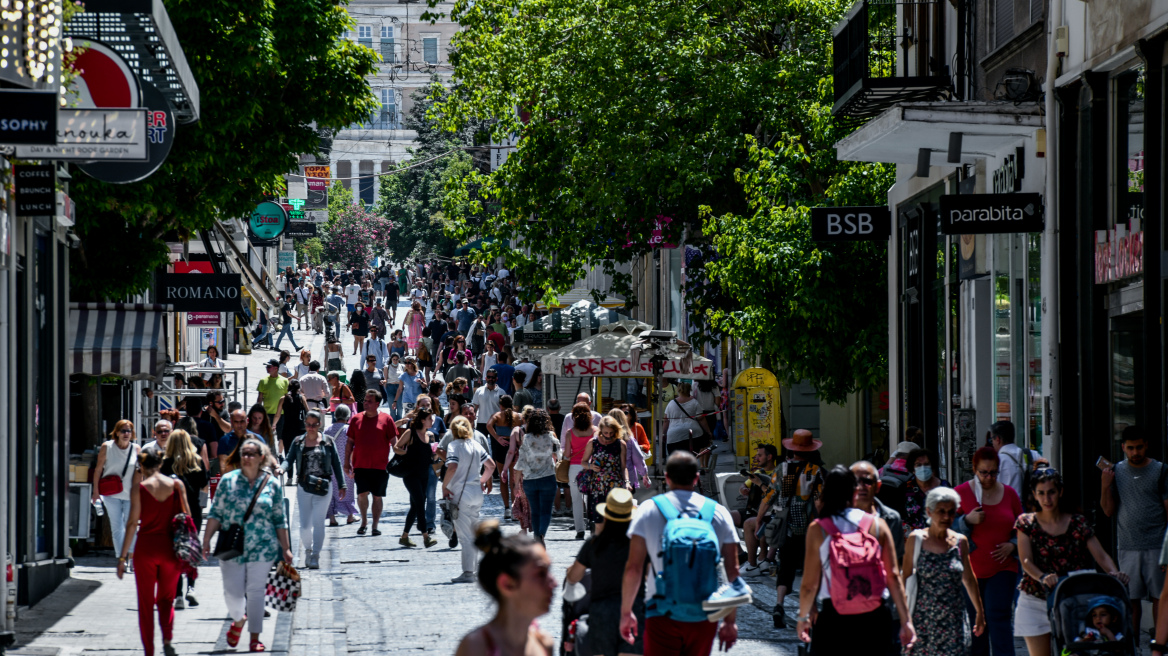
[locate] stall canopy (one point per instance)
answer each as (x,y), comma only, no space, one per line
(118,339)
(571,324)
(610,354)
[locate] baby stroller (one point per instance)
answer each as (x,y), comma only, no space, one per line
(1069,606)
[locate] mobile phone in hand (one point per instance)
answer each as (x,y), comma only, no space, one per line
(1103,463)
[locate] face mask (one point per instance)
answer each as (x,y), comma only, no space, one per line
(924,473)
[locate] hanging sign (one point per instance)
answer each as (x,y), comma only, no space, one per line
(300,230)
(317,179)
(36,190)
(268,220)
(205,319)
(991,214)
(1119,254)
(28,117)
(202,292)
(851,223)
(159,139)
(95,134)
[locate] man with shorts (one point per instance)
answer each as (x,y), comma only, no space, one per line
(371,435)
(1135,490)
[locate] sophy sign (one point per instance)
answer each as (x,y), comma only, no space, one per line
(979,214)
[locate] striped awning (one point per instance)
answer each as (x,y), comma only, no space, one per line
(118,339)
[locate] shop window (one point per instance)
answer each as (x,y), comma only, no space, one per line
(1017,333)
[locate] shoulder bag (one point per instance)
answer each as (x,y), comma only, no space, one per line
(397,465)
(910,586)
(108,486)
(312,484)
(699,431)
(230,543)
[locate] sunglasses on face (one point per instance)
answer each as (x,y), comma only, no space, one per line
(316,425)
(124,431)
(249,454)
(867,481)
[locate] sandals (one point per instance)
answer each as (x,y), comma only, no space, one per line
(361,531)
(256,645)
(376,532)
(233,633)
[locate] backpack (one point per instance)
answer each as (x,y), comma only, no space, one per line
(857,569)
(1026,468)
(690,554)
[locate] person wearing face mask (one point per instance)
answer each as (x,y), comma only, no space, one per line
(924,468)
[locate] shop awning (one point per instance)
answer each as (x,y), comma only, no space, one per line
(609,354)
(477,245)
(897,135)
(118,339)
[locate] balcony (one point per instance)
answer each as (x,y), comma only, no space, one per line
(877,40)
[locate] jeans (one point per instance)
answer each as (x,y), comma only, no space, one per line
(243,590)
(118,511)
(313,510)
(390,393)
(416,485)
(541,492)
(431,499)
(286,330)
(577,498)
(464,527)
(997,597)
(263,338)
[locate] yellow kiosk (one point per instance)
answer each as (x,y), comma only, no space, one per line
(756,411)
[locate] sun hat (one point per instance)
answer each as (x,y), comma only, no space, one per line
(802,441)
(618,506)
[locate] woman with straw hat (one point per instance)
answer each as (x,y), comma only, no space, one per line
(605,554)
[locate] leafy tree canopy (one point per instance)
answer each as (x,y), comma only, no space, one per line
(713,113)
(266,72)
(355,236)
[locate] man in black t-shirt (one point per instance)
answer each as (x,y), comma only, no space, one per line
(287,313)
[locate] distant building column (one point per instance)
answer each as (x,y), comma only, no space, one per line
(344,172)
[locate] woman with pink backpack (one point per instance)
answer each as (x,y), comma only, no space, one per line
(849,569)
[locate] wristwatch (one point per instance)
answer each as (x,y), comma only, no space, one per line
(805,618)
(1157,648)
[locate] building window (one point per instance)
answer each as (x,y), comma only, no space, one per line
(345,34)
(365,36)
(365,183)
(387,45)
(387,120)
(430,49)
(1003,22)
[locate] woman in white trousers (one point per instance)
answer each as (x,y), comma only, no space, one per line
(117,457)
(316,462)
(578,437)
(463,487)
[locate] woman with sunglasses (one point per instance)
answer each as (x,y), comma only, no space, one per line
(1052,543)
(317,465)
(265,532)
(116,459)
(991,508)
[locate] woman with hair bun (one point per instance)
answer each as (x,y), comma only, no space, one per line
(516,572)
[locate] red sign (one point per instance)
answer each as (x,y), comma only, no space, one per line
(193,267)
(657,239)
(204,319)
(1121,256)
(624,367)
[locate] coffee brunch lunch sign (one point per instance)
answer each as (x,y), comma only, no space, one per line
(268,221)
(983,214)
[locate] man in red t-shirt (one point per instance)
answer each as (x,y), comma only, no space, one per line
(371,434)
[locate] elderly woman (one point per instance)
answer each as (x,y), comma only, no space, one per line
(939,557)
(265,531)
(341,503)
(464,489)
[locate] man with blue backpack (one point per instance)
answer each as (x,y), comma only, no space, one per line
(688,539)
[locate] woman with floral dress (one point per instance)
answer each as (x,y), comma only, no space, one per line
(923,466)
(338,432)
(1052,543)
(941,565)
(605,465)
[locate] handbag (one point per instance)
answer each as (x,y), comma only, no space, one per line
(283,588)
(108,486)
(910,585)
(230,542)
(186,540)
(312,484)
(562,468)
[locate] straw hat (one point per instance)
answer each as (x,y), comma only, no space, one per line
(618,506)
(802,441)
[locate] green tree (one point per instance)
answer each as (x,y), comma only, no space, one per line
(413,198)
(340,200)
(355,237)
(266,72)
(713,113)
(309,250)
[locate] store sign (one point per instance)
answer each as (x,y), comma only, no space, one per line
(851,223)
(300,230)
(27,117)
(268,221)
(1119,254)
(159,139)
(317,179)
(95,134)
(316,216)
(624,367)
(286,259)
(1008,176)
(205,319)
(991,214)
(36,190)
(189,292)
(295,209)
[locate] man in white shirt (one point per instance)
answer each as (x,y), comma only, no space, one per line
(486,399)
(376,347)
(565,432)
(302,297)
(1013,460)
(528,368)
(315,387)
(351,293)
(664,633)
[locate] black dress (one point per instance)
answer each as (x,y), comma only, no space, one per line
(193,481)
(417,464)
(359,321)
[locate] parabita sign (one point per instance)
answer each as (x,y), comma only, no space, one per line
(980,214)
(200,292)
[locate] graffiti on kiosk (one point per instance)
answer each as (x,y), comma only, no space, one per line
(608,366)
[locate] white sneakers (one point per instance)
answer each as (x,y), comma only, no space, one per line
(749,570)
(465,577)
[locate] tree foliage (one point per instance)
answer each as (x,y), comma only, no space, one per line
(266,72)
(413,198)
(355,237)
(714,113)
(309,250)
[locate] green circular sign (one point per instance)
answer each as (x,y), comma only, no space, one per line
(268,220)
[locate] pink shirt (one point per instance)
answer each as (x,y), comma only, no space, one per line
(996,528)
(578,444)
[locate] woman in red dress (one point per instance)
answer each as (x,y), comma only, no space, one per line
(154,499)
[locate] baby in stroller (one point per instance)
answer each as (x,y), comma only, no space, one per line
(1103,621)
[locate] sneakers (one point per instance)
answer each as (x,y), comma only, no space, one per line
(579,535)
(192,601)
(749,570)
(405,541)
(729,596)
(507,515)
(465,577)
(179,603)
(717,615)
(780,616)
(429,542)
(307,558)
(766,567)
(314,561)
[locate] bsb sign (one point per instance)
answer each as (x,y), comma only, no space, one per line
(200,292)
(851,223)
(984,214)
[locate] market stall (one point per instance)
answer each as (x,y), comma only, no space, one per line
(569,325)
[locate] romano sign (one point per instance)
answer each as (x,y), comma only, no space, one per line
(980,214)
(200,292)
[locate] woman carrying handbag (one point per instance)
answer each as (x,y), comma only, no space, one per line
(317,465)
(412,463)
(463,492)
(116,463)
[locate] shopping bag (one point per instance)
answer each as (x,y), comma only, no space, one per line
(283,588)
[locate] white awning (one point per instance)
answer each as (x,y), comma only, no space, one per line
(897,135)
(118,339)
(609,354)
